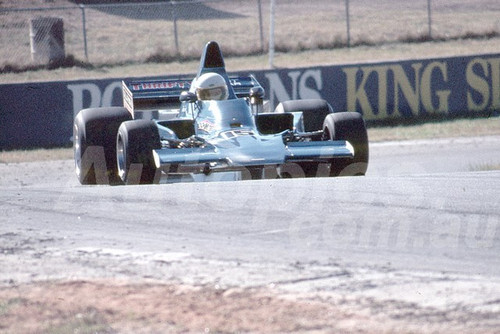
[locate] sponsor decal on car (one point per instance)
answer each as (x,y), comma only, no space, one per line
(206,126)
(160,85)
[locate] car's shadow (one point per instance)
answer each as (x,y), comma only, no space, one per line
(147,10)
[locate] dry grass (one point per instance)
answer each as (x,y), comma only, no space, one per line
(117,307)
(137,34)
(437,129)
(36,155)
(484,167)
(111,306)
(387,52)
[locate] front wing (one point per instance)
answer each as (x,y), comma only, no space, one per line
(210,158)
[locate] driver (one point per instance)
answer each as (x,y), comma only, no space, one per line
(211,86)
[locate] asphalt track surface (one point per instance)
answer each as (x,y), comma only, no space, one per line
(421,230)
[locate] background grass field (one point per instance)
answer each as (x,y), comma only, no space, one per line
(139,33)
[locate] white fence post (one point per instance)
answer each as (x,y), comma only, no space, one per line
(261,26)
(84,28)
(348,23)
(429,18)
(174,19)
(271,34)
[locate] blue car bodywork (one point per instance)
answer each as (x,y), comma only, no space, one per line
(163,129)
(225,135)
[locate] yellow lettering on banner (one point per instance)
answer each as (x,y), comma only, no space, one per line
(278,92)
(95,98)
(294,75)
(417,87)
(382,90)
(426,88)
(411,94)
(78,91)
(443,97)
(276,89)
(495,83)
(477,83)
(357,94)
(308,92)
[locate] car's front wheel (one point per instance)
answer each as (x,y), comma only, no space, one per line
(135,143)
(94,144)
(348,126)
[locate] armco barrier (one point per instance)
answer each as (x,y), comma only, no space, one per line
(41,114)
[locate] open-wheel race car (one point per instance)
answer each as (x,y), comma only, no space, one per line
(214,123)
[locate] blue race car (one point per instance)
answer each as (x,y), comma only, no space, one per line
(214,123)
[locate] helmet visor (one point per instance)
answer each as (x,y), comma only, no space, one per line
(212,93)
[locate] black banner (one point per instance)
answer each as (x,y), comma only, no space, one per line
(41,114)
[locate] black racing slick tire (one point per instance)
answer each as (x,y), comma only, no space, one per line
(313,111)
(348,126)
(135,143)
(94,144)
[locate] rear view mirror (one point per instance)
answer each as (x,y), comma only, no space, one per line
(187,97)
(256,95)
(256,99)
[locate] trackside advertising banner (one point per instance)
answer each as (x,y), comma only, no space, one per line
(41,114)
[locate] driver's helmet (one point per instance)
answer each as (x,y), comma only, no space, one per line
(211,86)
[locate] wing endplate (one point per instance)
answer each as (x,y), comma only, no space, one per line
(153,94)
(318,150)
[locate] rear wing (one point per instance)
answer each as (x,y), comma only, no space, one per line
(153,94)
(242,85)
(165,93)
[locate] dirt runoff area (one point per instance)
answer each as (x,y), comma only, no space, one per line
(119,307)
(113,306)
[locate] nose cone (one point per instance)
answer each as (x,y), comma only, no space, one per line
(253,150)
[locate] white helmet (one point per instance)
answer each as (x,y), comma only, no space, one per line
(211,86)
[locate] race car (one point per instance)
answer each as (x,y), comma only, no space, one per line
(211,124)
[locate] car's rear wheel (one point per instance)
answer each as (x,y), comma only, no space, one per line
(348,126)
(94,144)
(314,112)
(135,143)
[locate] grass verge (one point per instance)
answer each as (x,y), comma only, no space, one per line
(484,167)
(309,58)
(434,128)
(43,154)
